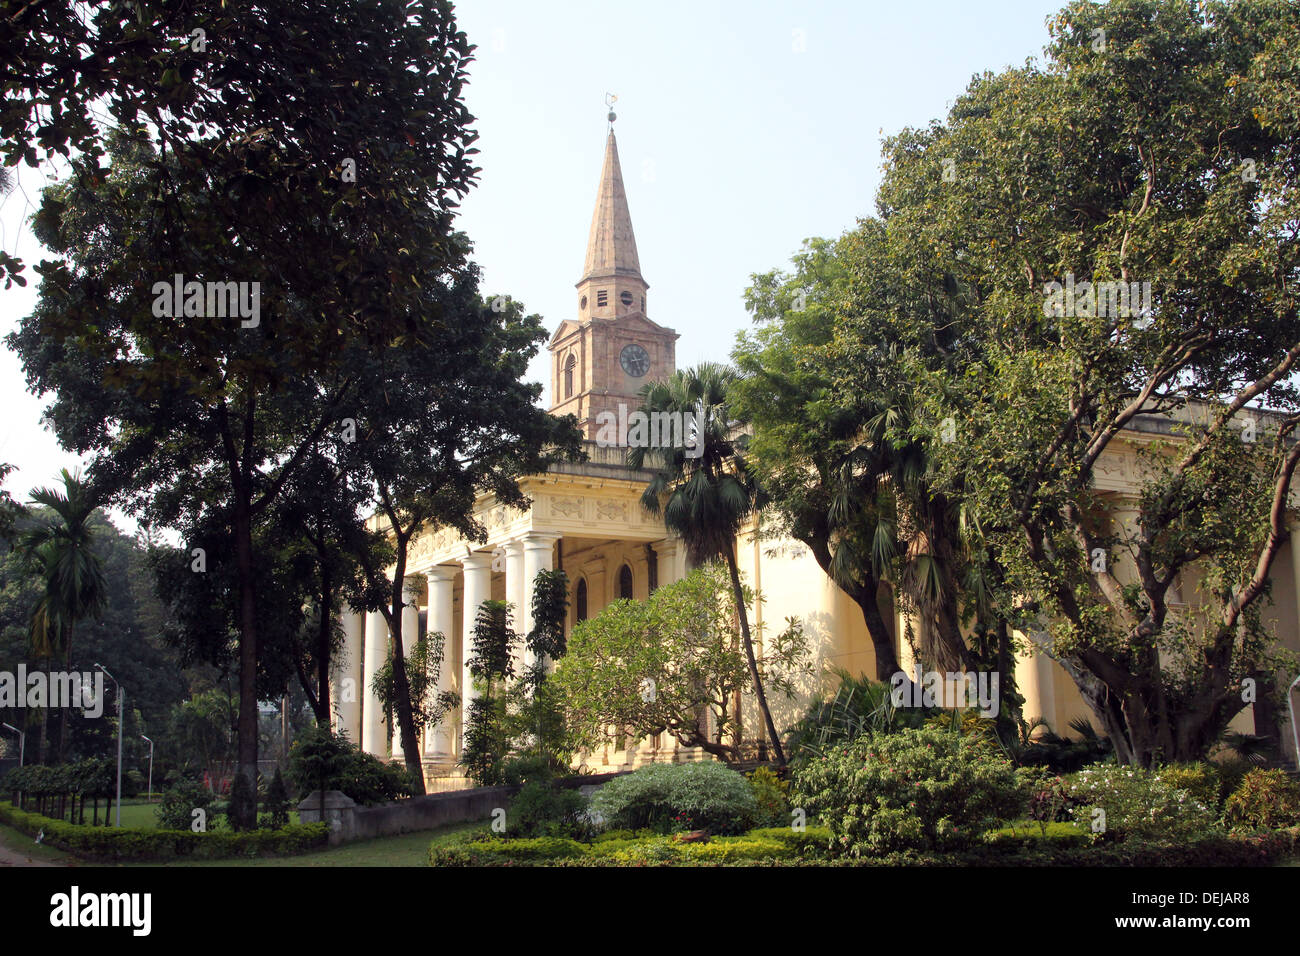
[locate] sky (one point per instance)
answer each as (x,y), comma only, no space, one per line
(743,128)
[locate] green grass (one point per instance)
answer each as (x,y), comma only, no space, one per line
(24,845)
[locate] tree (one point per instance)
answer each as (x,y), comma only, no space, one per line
(487,732)
(1150,160)
(706,497)
(662,664)
(63,555)
(182,411)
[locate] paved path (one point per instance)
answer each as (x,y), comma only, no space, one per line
(9,856)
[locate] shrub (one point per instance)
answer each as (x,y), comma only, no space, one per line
(542,809)
(687,796)
(1138,804)
(111,844)
(277,803)
(770,793)
(323,760)
(1230,772)
(1199,779)
(496,852)
(176,809)
(526,768)
(925,788)
(1266,799)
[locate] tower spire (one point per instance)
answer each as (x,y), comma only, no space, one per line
(611,246)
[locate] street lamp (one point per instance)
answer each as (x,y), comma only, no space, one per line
(118,687)
(22,741)
(143,737)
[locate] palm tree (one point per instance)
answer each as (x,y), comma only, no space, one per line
(61,553)
(706,496)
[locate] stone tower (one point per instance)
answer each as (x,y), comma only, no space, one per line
(602,359)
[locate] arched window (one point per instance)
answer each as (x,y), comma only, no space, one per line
(569,365)
(625,583)
(580,601)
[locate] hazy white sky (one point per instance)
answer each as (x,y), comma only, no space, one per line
(743,129)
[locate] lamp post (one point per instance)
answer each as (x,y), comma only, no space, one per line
(1295,731)
(22,741)
(150,790)
(118,687)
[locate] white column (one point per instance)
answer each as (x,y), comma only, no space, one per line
(348,675)
(672,560)
(539,552)
(410,631)
(437,742)
(376,654)
(516,595)
(478,588)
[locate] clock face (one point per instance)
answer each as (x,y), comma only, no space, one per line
(635,360)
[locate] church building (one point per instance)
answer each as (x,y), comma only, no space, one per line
(586,519)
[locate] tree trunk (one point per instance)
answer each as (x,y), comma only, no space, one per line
(738,594)
(247,743)
(401,685)
(63,717)
(323,642)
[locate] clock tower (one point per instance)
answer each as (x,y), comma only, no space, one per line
(602,359)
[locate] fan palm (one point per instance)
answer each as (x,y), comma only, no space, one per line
(706,496)
(61,553)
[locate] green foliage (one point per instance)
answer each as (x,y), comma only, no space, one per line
(651,666)
(111,844)
(1140,804)
(672,797)
(1265,799)
(487,729)
(323,760)
(858,706)
(543,809)
(276,803)
(176,809)
(923,789)
(1199,780)
(771,793)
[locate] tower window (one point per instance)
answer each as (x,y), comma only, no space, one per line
(642,303)
(626,298)
(602,297)
(582,303)
(625,583)
(569,364)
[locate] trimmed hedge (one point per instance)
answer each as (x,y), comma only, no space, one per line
(777,843)
(113,845)
(782,847)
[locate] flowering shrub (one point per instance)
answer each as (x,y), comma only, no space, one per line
(674,797)
(922,789)
(1138,803)
(770,791)
(1266,799)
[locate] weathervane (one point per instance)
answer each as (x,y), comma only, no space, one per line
(610,100)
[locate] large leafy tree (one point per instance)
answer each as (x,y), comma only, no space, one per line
(319,154)
(706,495)
(1157,144)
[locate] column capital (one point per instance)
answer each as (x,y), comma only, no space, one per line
(441,572)
(666,546)
(540,539)
(477,561)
